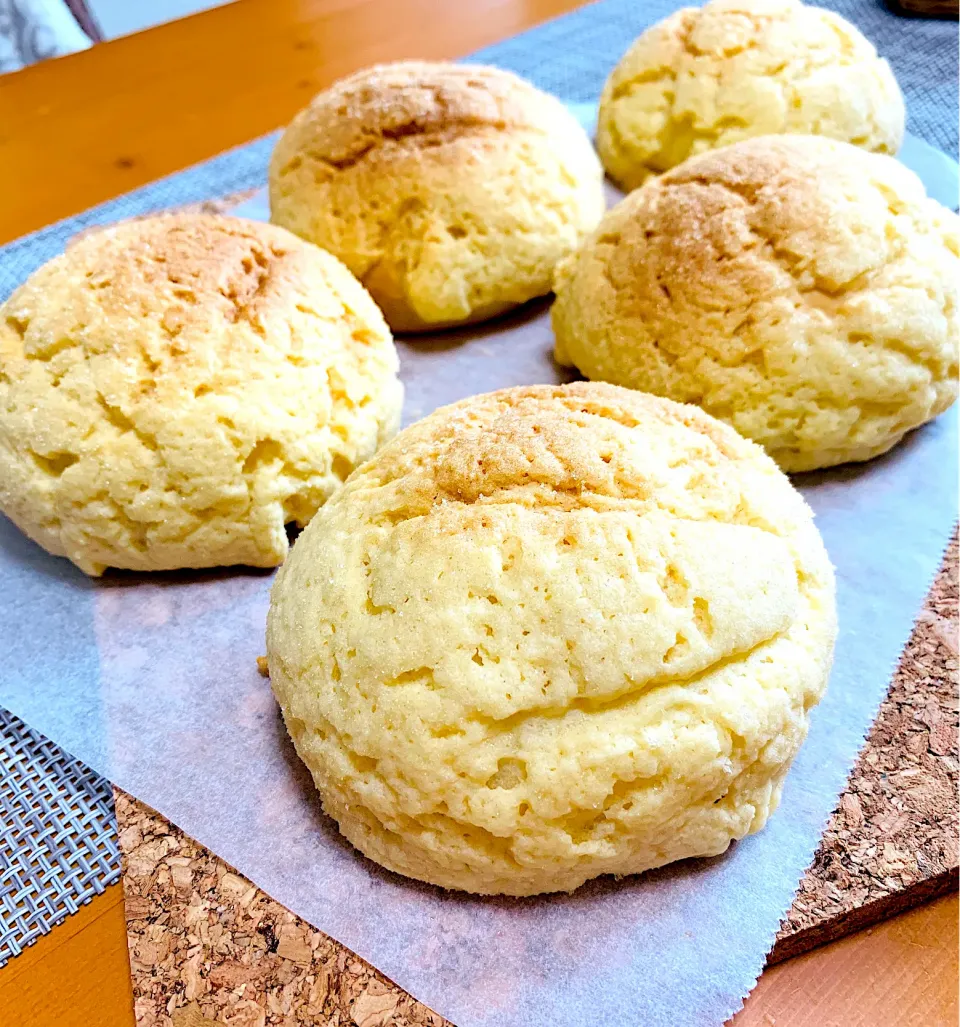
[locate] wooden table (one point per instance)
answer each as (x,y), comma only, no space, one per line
(84,128)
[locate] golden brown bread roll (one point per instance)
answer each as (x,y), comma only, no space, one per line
(551,633)
(451,191)
(801,289)
(707,77)
(175,390)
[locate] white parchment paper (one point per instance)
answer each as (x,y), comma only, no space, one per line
(152,681)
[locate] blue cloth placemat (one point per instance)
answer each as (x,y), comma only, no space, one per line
(58,841)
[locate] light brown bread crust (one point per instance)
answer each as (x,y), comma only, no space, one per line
(707,77)
(450,191)
(550,633)
(175,389)
(801,289)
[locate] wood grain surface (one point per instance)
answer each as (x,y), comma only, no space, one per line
(76,976)
(92,125)
(84,128)
(902,973)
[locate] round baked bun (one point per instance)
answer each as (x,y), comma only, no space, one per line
(706,77)
(450,191)
(175,390)
(550,633)
(801,289)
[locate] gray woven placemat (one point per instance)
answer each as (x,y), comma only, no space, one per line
(58,844)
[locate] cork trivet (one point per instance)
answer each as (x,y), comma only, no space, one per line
(207,947)
(892,842)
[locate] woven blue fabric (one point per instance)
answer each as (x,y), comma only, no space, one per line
(570,57)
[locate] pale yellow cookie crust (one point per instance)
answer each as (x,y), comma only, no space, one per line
(707,77)
(175,390)
(451,191)
(550,633)
(801,289)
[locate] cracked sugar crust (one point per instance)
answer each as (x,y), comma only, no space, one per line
(800,289)
(707,77)
(175,390)
(551,633)
(450,191)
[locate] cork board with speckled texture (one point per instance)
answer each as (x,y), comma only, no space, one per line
(208,947)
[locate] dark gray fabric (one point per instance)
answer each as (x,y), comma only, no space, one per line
(923,54)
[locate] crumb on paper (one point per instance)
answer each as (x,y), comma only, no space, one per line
(263,666)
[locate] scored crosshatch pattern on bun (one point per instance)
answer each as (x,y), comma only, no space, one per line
(451,191)
(174,390)
(801,289)
(550,633)
(706,77)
